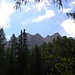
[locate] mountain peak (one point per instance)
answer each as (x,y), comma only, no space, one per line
(50,38)
(38,35)
(56,34)
(36,39)
(47,36)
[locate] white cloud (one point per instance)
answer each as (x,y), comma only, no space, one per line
(72,3)
(23,23)
(36,7)
(6,9)
(48,14)
(31,0)
(27,9)
(71,6)
(69,27)
(41,5)
(65,10)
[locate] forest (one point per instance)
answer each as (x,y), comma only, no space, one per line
(56,58)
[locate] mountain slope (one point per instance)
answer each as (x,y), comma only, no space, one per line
(32,40)
(50,38)
(36,39)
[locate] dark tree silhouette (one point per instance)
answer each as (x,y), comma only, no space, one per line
(22,54)
(11,56)
(20,2)
(2,51)
(71,15)
(55,58)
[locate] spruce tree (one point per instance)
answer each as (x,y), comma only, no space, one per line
(2,51)
(22,54)
(38,64)
(11,56)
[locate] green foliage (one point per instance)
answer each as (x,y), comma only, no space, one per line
(2,51)
(22,55)
(11,56)
(56,58)
(36,65)
(59,56)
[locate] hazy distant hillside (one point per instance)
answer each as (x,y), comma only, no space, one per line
(38,39)
(32,40)
(29,36)
(50,38)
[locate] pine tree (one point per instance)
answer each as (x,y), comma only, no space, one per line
(2,51)
(11,56)
(38,64)
(22,54)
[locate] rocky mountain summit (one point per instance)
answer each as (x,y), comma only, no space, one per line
(38,39)
(32,40)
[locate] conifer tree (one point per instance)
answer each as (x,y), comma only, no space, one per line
(22,54)
(38,64)
(11,56)
(2,51)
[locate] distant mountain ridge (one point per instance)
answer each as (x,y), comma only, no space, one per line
(50,38)
(36,39)
(32,40)
(39,40)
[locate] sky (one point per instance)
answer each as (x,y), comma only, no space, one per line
(44,18)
